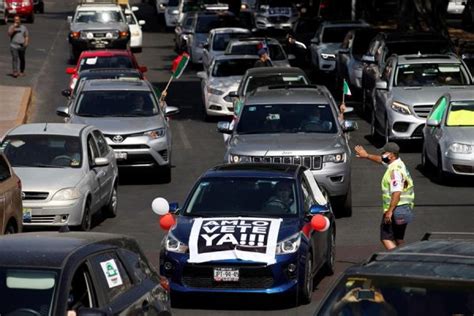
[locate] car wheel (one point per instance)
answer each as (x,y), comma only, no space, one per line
(344,205)
(425,161)
(165,173)
(31,19)
(329,266)
(306,292)
(10,229)
(110,210)
(74,55)
(86,218)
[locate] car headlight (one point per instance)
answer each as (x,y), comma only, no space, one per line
(401,108)
(238,158)
(214,91)
(459,148)
(174,245)
(67,194)
(174,12)
(326,56)
(156,133)
(289,245)
(336,158)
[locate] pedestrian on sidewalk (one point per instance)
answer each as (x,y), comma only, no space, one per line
(398,194)
(19,40)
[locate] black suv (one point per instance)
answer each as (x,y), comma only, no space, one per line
(434,276)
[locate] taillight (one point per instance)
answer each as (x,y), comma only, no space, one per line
(123,34)
(165,283)
(75,35)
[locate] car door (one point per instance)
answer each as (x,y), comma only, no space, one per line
(81,290)
(96,174)
(206,59)
(434,133)
(107,180)
(383,97)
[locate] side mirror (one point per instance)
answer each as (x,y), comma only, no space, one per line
(291,57)
(69,19)
(127,11)
(171,110)
(135,8)
(71,70)
(201,74)
(174,208)
(318,209)
(101,161)
(224,127)
(91,312)
(62,111)
(141,22)
(233,94)
(143,69)
(433,123)
(381,85)
(368,58)
(66,93)
(349,126)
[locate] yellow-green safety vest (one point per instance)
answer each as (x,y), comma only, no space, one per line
(407,196)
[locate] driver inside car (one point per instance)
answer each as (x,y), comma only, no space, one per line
(314,122)
(282,200)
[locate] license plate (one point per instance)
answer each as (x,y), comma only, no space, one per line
(226,275)
(120,155)
(27,215)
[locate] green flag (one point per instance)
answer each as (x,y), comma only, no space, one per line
(179,64)
(345,89)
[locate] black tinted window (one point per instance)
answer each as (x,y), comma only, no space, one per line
(106,62)
(335,34)
(233,67)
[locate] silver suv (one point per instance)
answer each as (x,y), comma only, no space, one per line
(298,125)
(408,89)
(128,114)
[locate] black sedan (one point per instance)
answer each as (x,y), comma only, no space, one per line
(73,273)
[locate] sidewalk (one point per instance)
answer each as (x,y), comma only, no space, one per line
(14,102)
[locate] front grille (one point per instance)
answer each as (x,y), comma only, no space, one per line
(250,277)
(31,195)
(311,162)
(418,132)
(278,19)
(42,219)
(422,110)
(129,146)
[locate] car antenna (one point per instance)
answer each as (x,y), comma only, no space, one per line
(45,127)
(64,229)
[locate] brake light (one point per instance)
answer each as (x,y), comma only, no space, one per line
(165,283)
(75,35)
(123,34)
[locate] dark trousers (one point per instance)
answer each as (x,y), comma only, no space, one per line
(18,59)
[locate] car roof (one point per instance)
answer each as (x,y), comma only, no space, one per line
(106,53)
(275,70)
(48,129)
(264,170)
(229,30)
(115,84)
(232,56)
(441,259)
(51,249)
(295,94)
(428,58)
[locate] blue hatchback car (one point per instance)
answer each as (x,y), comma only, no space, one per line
(246,228)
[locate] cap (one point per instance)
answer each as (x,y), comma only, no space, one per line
(391,147)
(261,51)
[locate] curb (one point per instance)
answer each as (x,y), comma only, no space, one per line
(24,105)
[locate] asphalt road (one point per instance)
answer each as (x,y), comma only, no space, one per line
(197,146)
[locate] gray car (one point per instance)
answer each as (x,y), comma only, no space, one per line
(275,14)
(297,125)
(449,135)
(128,114)
(409,86)
(68,173)
(97,26)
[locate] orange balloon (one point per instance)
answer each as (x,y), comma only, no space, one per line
(320,223)
(167,221)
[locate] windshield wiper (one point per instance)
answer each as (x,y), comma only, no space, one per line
(43,165)
(90,115)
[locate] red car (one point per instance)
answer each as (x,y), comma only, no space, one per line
(23,8)
(110,58)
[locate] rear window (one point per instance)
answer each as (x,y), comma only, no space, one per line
(234,67)
(430,74)
(105,62)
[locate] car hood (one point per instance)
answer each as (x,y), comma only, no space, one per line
(48,179)
(286,144)
(225,83)
(77,27)
(182,230)
(420,95)
(456,134)
(121,125)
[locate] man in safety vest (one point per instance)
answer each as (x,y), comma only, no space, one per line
(397,194)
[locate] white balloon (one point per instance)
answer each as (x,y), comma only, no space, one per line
(160,206)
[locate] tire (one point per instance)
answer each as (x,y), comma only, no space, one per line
(86,222)
(31,19)
(110,210)
(74,55)
(306,292)
(330,264)
(11,228)
(426,164)
(165,173)
(136,50)
(344,205)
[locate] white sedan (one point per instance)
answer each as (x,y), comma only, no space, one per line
(136,38)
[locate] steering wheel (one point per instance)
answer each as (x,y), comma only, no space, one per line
(23,312)
(62,157)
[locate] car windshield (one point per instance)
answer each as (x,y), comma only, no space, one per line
(43,151)
(431,74)
(222,39)
(286,118)
(276,51)
(206,23)
(120,103)
(223,197)
(358,295)
(102,16)
(415,47)
(27,291)
(273,79)
(335,34)
(232,67)
(105,62)
(461,114)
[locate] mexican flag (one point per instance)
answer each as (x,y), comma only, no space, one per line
(345,89)
(179,64)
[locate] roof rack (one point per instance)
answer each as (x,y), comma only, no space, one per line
(448,235)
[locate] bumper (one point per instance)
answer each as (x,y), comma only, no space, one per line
(403,126)
(335,178)
(140,151)
(21,11)
(81,45)
(53,213)
(254,278)
(326,65)
(460,164)
(217,106)
(262,25)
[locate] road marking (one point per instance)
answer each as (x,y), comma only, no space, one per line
(183,136)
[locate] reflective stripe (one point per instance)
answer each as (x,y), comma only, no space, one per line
(407,196)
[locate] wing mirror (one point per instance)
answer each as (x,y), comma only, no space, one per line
(91,312)
(224,127)
(315,41)
(66,93)
(141,22)
(291,57)
(171,110)
(101,162)
(349,126)
(233,94)
(174,208)
(381,85)
(343,51)
(62,111)
(201,74)
(318,209)
(134,8)
(127,11)
(71,70)
(433,123)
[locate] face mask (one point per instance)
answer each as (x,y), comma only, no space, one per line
(385,159)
